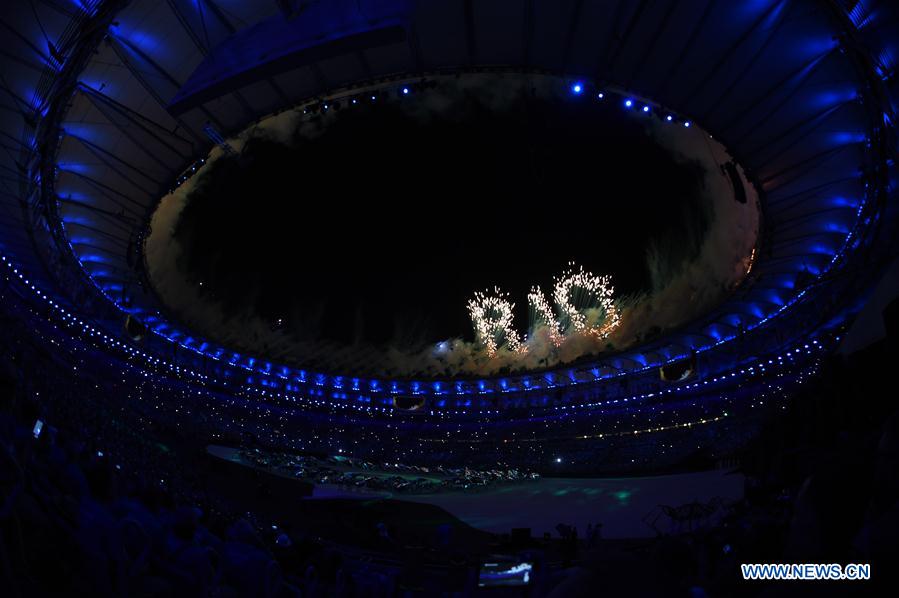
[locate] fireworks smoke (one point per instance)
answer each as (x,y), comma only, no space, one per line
(690,273)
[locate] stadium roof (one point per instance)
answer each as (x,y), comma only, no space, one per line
(106,104)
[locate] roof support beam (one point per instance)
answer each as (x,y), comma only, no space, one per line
(573,22)
(601,69)
(527,33)
(631,25)
(471,44)
(698,26)
(814,119)
(115,163)
(724,95)
(650,47)
(104,104)
(124,49)
(803,165)
(102,232)
(800,75)
(108,192)
(118,217)
(724,57)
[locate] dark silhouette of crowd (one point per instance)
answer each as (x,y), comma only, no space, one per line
(102,499)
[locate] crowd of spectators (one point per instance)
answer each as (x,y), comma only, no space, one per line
(394,477)
(127,520)
(104,500)
(99,500)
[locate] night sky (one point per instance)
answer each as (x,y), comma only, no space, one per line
(382,227)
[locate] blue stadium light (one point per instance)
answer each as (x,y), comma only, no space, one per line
(577,88)
(669,118)
(405,91)
(600,95)
(628,103)
(686,123)
(645,108)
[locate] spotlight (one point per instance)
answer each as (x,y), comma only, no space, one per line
(628,103)
(669,118)
(405,91)
(687,123)
(600,95)
(645,108)
(577,88)
(558,459)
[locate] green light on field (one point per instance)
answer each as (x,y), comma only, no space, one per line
(623,496)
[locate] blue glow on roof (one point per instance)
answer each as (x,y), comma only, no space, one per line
(840,227)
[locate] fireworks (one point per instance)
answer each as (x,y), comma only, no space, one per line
(542,314)
(584,304)
(579,291)
(491,316)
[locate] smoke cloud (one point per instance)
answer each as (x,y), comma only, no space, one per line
(687,280)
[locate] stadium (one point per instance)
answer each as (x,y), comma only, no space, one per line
(378,298)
